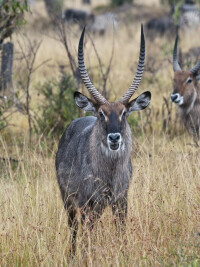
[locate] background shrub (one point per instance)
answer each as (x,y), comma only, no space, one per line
(59,108)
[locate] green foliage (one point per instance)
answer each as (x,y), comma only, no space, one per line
(57,6)
(59,108)
(177,12)
(11,14)
(54,7)
(4,112)
(120,2)
(14,7)
(134,122)
(2,121)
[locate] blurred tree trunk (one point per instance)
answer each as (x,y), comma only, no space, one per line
(6,66)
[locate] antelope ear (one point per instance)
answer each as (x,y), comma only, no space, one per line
(83,102)
(139,103)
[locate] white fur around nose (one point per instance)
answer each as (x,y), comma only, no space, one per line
(110,142)
(192,103)
(179,99)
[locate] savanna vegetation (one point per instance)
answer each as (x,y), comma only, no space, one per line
(163,224)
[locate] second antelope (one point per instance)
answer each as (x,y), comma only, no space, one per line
(93,161)
(186,95)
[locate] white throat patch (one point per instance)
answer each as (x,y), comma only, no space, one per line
(112,153)
(193,100)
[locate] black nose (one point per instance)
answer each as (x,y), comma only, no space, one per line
(174,97)
(114,137)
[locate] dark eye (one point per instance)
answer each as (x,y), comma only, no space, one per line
(101,115)
(124,114)
(189,80)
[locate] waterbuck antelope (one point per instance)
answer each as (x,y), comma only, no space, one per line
(93,161)
(186,95)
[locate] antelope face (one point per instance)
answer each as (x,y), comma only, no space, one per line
(184,88)
(112,117)
(184,93)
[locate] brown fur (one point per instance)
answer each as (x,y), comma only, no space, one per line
(115,107)
(190,109)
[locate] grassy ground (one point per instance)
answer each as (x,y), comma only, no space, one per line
(163,225)
(163,220)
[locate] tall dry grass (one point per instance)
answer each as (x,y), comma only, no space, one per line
(162,228)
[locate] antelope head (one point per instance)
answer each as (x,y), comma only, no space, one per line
(185,82)
(112,116)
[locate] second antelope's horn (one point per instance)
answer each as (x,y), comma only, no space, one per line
(176,65)
(196,68)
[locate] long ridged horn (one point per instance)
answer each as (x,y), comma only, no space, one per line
(84,75)
(140,68)
(176,65)
(196,68)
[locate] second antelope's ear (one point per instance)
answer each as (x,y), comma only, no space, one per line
(139,103)
(83,102)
